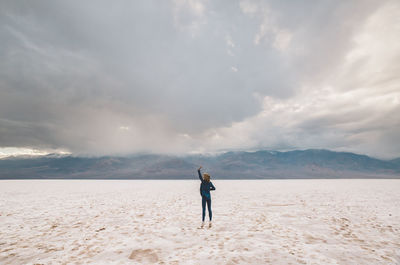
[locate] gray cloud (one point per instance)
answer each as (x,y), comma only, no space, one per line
(96,77)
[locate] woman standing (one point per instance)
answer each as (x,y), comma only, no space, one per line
(205,187)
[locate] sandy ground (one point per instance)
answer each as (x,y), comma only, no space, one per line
(255,222)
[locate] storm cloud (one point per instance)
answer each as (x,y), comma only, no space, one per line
(100,77)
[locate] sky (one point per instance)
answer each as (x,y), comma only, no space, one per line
(192,76)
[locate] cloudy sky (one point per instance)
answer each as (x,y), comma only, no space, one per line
(120,77)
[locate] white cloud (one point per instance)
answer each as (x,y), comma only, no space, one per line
(282,40)
(249,7)
(269,31)
(357,109)
(230,45)
(229,41)
(124,128)
(15,151)
(189,15)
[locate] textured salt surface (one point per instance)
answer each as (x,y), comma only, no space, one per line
(255,222)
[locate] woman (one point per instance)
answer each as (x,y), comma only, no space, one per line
(205,187)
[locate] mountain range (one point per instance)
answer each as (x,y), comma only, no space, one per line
(261,164)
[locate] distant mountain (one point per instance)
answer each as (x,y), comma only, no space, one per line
(231,165)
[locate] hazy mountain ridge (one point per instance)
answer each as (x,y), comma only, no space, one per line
(249,165)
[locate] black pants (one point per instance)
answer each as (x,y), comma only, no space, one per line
(205,200)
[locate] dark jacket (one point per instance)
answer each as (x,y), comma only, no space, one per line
(205,187)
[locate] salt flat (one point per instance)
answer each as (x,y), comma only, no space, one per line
(151,221)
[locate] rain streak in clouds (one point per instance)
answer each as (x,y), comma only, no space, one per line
(100,77)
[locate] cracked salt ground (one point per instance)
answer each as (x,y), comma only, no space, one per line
(155,222)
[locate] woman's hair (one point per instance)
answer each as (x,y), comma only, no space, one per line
(206,177)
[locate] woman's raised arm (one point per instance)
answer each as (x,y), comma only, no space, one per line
(200,176)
